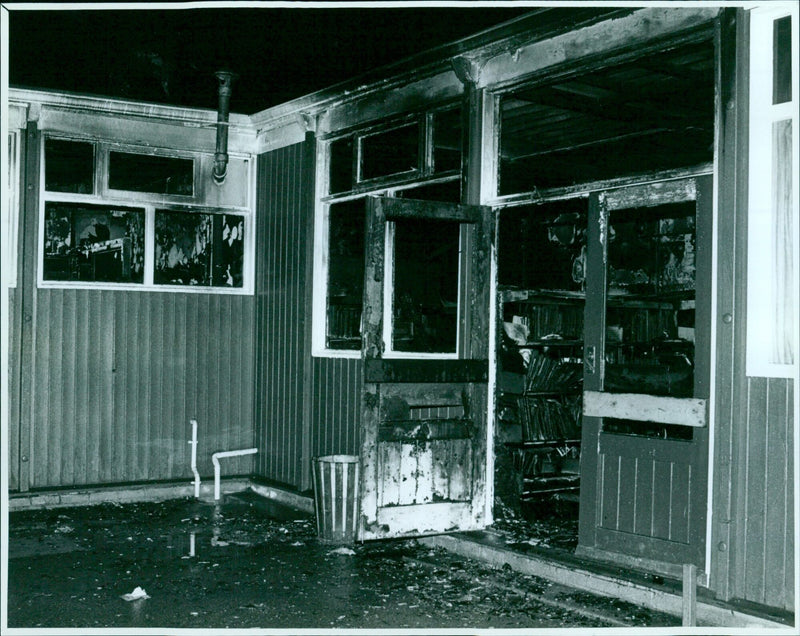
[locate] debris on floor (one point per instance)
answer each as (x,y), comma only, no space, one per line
(244,563)
(138,593)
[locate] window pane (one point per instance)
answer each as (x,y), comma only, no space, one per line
(391,152)
(782,60)
(425,295)
(93,243)
(199,249)
(447,140)
(68,166)
(150,173)
(543,246)
(345,274)
(341,165)
(447,192)
(650,307)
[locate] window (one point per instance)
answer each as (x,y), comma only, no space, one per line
(122,225)
(150,173)
(418,157)
(424,286)
(394,151)
(345,274)
(427,145)
(199,249)
(644,115)
(69,166)
(93,243)
(773,246)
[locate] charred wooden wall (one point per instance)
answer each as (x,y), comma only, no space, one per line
(305,406)
(104,382)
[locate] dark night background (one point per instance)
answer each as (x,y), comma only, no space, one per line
(169,55)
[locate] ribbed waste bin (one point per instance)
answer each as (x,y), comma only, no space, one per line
(336,492)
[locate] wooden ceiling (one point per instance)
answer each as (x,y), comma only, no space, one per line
(656,111)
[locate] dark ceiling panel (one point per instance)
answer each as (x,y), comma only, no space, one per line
(169,56)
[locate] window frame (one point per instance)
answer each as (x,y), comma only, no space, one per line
(761,249)
(149,203)
(389,185)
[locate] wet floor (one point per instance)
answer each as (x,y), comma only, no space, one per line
(248,563)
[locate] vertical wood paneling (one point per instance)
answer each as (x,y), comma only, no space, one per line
(113,388)
(755,471)
(281,313)
(766,524)
(627,494)
(644,485)
(336,394)
(662,496)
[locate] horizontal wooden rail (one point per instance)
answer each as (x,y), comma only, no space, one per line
(647,408)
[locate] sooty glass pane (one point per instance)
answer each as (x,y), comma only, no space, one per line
(391,152)
(425,297)
(93,243)
(341,165)
(345,274)
(782,60)
(543,246)
(68,166)
(150,173)
(447,192)
(447,140)
(651,300)
(199,249)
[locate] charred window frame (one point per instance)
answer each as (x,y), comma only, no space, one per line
(122,217)
(417,156)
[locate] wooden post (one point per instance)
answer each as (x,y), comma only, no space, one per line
(689,594)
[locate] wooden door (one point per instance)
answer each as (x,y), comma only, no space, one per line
(644,466)
(424,400)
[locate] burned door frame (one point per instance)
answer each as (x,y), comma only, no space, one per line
(392,387)
(660,553)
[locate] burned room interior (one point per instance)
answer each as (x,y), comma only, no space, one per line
(505,293)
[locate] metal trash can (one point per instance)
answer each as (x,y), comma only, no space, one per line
(336,497)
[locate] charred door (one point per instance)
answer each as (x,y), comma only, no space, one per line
(425,347)
(646,374)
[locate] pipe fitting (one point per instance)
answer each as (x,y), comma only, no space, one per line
(215,460)
(220,169)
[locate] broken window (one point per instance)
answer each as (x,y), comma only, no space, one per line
(390,152)
(428,144)
(198,249)
(150,173)
(85,242)
(345,274)
(89,238)
(447,140)
(425,286)
(650,114)
(69,166)
(419,158)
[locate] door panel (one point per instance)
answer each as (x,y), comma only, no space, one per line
(644,465)
(423,415)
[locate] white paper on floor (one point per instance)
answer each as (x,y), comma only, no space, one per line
(135,595)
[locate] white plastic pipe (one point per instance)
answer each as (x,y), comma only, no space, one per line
(193,442)
(217,456)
